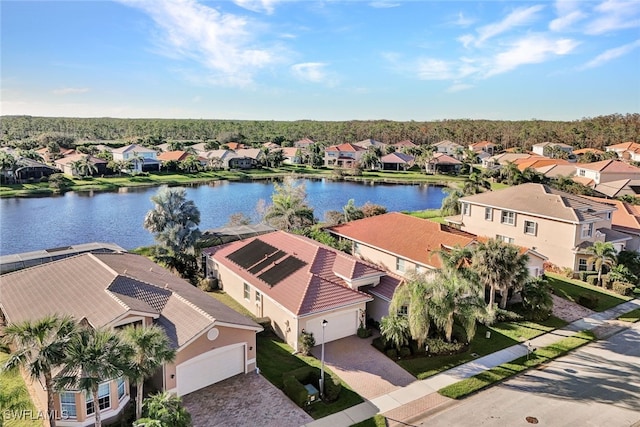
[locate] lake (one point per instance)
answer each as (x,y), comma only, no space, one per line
(28,224)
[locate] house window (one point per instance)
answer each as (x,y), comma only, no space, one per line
(121,389)
(587,230)
(400,264)
(530,227)
(504,238)
(608,215)
(68,404)
(247,292)
(356,248)
(104,396)
(90,407)
(404,311)
(258,297)
(582,172)
(582,264)
(488,214)
(508,218)
(466,209)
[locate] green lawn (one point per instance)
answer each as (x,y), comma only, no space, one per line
(430,214)
(572,289)
(276,358)
(632,316)
(376,421)
(13,385)
(503,335)
(506,370)
(224,298)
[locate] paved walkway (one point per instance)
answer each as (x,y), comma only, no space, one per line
(421,396)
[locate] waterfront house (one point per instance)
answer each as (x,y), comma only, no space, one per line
(443,163)
(115,290)
(66,164)
(397,161)
(142,159)
(297,283)
(343,155)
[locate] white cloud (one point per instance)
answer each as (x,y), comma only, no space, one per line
(611,54)
(435,69)
(463,21)
(614,15)
(223,43)
(458,87)
(70,90)
(267,6)
(314,72)
(517,18)
(568,12)
(383,4)
(532,49)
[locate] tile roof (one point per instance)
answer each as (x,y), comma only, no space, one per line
(629,145)
(482,144)
(173,155)
(397,157)
(316,286)
(588,150)
(345,147)
(405,236)
(303,141)
(446,142)
(554,171)
(625,217)
(366,143)
(104,287)
(538,162)
(611,166)
(67,160)
(133,147)
(541,200)
(444,159)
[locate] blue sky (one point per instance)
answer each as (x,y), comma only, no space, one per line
(321,60)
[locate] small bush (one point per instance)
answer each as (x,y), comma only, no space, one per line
(438,346)
(622,288)
(306,342)
(567,272)
(589,301)
(392,353)
(295,390)
(405,352)
(373,324)
(380,343)
(593,280)
(208,284)
(415,350)
(332,387)
(44,179)
(364,333)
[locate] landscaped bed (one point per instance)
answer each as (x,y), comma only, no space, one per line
(583,293)
(14,388)
(506,370)
(632,316)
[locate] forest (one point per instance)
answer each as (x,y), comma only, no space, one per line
(595,132)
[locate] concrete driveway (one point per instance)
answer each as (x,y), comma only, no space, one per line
(243,400)
(598,385)
(367,371)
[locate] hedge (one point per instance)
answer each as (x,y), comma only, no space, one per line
(295,390)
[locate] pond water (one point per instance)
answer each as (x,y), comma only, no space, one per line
(28,224)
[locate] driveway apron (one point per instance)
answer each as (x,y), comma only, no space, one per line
(367,371)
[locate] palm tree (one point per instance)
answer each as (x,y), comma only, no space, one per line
(151,349)
(84,167)
(7,163)
(94,356)
(370,160)
(415,294)
(511,173)
(602,254)
(351,211)
(165,409)
(475,183)
(136,159)
(40,348)
(500,266)
(394,328)
(536,298)
(450,205)
(289,210)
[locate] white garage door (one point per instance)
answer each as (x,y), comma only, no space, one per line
(210,368)
(339,325)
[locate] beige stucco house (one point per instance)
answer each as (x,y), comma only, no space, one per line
(142,159)
(606,171)
(114,290)
(297,283)
(343,155)
(558,225)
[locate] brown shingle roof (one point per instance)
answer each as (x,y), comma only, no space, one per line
(405,236)
(315,286)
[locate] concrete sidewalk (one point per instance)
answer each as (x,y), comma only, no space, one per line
(422,395)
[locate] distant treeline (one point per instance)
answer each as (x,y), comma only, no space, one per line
(595,132)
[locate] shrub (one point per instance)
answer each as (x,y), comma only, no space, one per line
(332,387)
(593,280)
(622,288)
(208,284)
(567,272)
(405,352)
(589,301)
(44,179)
(295,390)
(415,350)
(438,346)
(392,353)
(380,344)
(306,342)
(364,332)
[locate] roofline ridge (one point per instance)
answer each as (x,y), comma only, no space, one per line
(115,298)
(192,305)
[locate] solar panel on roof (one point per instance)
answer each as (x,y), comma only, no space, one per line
(282,269)
(251,253)
(267,261)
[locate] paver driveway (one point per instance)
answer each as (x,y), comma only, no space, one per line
(367,371)
(243,400)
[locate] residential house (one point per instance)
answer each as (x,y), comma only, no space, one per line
(447,147)
(255,156)
(292,155)
(499,160)
(443,163)
(626,219)
(403,243)
(406,143)
(175,156)
(484,146)
(368,143)
(303,143)
(343,156)
(554,171)
(626,150)
(397,161)
(606,171)
(558,225)
(115,290)
(538,162)
(622,187)
(27,170)
(582,151)
(49,157)
(297,283)
(234,145)
(541,147)
(218,159)
(66,164)
(142,159)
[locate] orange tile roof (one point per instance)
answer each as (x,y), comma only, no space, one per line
(613,166)
(317,286)
(588,150)
(405,236)
(538,163)
(583,180)
(626,216)
(624,145)
(345,147)
(482,144)
(173,155)
(234,145)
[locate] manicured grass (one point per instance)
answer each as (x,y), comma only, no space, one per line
(275,358)
(498,186)
(13,385)
(572,289)
(430,214)
(632,316)
(525,330)
(224,298)
(506,370)
(376,421)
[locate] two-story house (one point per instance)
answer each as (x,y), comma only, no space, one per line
(343,156)
(543,148)
(484,146)
(607,171)
(447,147)
(626,150)
(141,159)
(558,225)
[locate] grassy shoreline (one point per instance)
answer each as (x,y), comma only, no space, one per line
(115,183)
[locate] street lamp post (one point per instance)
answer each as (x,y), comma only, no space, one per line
(324,324)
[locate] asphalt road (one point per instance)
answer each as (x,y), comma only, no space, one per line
(598,385)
